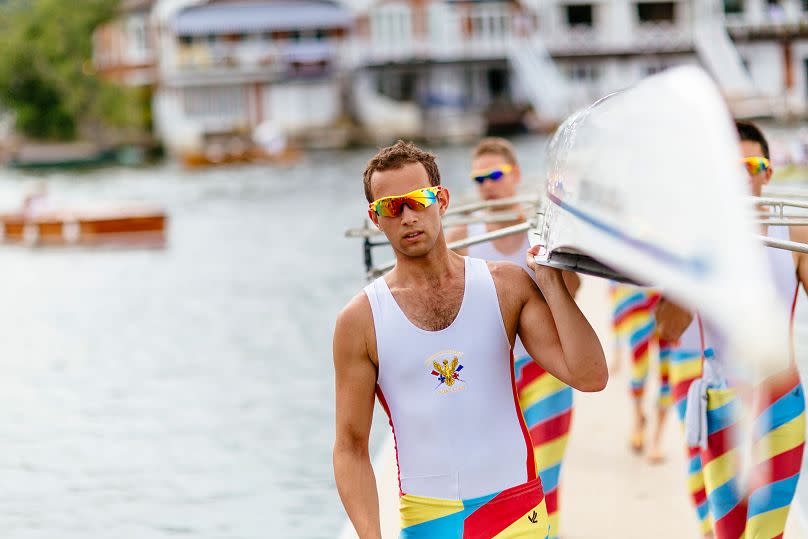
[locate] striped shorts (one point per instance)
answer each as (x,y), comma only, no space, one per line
(515,513)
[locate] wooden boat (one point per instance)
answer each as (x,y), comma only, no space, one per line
(88,228)
(206,159)
(645,185)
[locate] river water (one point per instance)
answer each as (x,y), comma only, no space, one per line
(188,391)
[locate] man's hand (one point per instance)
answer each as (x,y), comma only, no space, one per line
(672,320)
(545,275)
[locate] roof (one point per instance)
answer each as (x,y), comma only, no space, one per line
(253,17)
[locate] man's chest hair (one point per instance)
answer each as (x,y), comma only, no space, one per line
(434,308)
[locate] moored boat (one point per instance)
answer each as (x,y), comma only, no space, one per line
(145,227)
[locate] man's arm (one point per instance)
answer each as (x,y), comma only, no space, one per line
(554,330)
(573,282)
(800,234)
(671,319)
(355,391)
(457,233)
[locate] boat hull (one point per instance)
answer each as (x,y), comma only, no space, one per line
(55,230)
(646,186)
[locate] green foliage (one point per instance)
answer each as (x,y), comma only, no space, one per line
(45,69)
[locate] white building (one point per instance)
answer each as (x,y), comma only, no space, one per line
(226,67)
(755,49)
(445,64)
(440,69)
(772,38)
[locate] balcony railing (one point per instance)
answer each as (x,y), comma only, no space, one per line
(645,37)
(279,58)
(436,48)
(767,24)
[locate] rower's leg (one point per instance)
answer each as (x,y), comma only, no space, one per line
(618,329)
(547,406)
(641,333)
(720,459)
(779,439)
(656,454)
(684,367)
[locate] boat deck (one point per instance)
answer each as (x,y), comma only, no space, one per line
(607,491)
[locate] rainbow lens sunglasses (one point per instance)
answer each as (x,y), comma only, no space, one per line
(494,174)
(417,200)
(755,165)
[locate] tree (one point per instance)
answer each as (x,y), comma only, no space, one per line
(46,78)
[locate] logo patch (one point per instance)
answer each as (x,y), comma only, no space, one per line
(446,368)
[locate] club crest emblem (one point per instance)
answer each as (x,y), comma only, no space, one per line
(446,368)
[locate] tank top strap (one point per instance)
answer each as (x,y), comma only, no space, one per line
(375,296)
(484,298)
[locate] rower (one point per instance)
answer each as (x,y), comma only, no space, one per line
(779,419)
(546,402)
(433,340)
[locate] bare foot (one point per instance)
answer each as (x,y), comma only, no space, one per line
(655,456)
(638,436)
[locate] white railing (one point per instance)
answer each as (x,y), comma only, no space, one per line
(646,37)
(481,32)
(368,51)
(252,56)
(741,23)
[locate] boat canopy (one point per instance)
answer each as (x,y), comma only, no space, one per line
(256,17)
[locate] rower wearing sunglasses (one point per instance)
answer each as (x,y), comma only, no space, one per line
(779,414)
(546,402)
(432,340)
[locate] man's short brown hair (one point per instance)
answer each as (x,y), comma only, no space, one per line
(496,146)
(396,156)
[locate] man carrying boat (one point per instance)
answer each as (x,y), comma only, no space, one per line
(546,402)
(779,402)
(433,340)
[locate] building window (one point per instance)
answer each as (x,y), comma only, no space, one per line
(397,85)
(138,34)
(733,7)
(652,68)
(583,72)
(579,15)
(656,12)
(391,25)
(220,102)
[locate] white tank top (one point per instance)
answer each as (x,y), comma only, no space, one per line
(783,271)
(782,266)
(489,251)
(450,395)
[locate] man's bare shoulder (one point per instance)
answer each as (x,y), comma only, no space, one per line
(355,316)
(798,233)
(504,269)
(509,276)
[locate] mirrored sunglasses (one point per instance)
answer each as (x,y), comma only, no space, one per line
(494,174)
(417,200)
